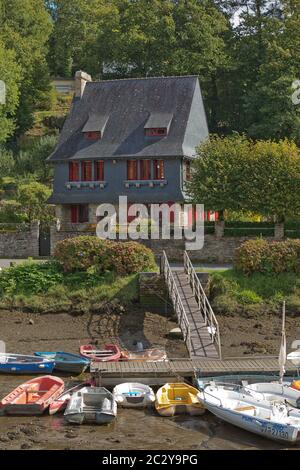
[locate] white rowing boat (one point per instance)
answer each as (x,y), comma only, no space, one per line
(253,411)
(133,395)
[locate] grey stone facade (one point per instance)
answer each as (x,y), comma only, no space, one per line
(20,244)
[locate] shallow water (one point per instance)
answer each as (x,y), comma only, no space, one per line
(133,429)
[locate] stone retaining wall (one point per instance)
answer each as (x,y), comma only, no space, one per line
(215,250)
(20,244)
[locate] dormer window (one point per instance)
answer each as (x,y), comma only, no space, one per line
(156,131)
(158,125)
(92,135)
(94,127)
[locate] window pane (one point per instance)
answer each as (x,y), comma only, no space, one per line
(131,169)
(99,171)
(83,213)
(159,170)
(145,170)
(73,171)
(86,171)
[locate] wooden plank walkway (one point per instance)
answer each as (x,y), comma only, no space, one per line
(188,367)
(201,342)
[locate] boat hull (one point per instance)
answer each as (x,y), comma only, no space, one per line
(262,427)
(173,410)
(133,395)
(66,362)
(32,397)
(90,418)
(27,369)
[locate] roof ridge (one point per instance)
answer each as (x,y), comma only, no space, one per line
(141,78)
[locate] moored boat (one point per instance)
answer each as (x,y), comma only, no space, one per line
(178,398)
(111,353)
(66,362)
(147,355)
(32,397)
(91,405)
(61,402)
(249,410)
(133,395)
(21,364)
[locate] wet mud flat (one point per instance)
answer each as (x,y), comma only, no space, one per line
(133,429)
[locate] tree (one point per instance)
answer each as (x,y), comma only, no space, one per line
(33,199)
(7,163)
(25,28)
(237,174)
(10,74)
(220,173)
(33,159)
(274,179)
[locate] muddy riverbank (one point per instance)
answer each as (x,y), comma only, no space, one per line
(133,429)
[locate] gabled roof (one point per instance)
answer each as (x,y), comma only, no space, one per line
(127,106)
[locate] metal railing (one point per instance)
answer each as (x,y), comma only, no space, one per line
(203,303)
(176,301)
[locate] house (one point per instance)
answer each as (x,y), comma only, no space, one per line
(129,137)
(63,86)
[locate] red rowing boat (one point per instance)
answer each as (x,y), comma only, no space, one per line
(111,353)
(32,397)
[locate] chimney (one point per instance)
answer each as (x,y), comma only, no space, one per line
(81,79)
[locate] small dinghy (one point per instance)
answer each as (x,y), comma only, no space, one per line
(275,391)
(91,405)
(178,398)
(25,365)
(133,395)
(294,357)
(32,397)
(66,362)
(111,353)
(61,402)
(250,410)
(148,355)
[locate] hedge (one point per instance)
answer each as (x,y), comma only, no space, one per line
(85,252)
(268,257)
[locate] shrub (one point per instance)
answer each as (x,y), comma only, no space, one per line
(29,278)
(261,256)
(81,253)
(86,252)
(130,257)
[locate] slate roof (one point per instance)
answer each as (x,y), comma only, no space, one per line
(124,108)
(95,123)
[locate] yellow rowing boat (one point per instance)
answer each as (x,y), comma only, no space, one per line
(178,398)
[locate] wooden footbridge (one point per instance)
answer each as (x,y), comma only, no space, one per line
(201,333)
(194,313)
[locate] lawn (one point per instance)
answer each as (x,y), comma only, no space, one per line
(233,292)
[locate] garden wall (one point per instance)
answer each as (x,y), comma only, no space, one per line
(22,243)
(215,250)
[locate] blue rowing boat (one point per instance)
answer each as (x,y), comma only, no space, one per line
(66,362)
(25,365)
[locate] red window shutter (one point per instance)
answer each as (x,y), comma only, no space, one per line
(159,169)
(132,169)
(99,171)
(92,135)
(74,214)
(156,131)
(145,173)
(73,171)
(86,171)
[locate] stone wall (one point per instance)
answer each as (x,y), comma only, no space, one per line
(153,292)
(20,244)
(215,250)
